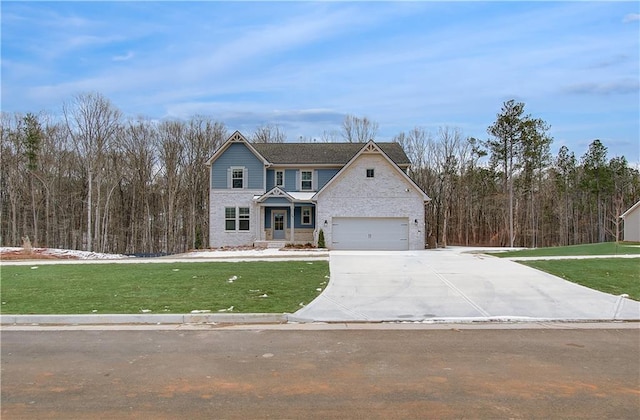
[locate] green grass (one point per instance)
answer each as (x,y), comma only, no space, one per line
(161,287)
(604,248)
(610,275)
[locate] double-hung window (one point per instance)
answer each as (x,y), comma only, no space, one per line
(229,218)
(236,218)
(237,178)
(306,180)
(306,215)
(279,178)
(243,218)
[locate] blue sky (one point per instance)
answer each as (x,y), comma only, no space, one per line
(305,65)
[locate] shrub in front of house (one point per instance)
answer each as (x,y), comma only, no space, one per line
(321,243)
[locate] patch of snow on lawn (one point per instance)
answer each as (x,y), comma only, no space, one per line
(67,253)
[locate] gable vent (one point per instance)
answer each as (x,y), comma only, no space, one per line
(237,137)
(371,148)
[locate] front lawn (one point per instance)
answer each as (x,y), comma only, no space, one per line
(610,275)
(248,287)
(604,248)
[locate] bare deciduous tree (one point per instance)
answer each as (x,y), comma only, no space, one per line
(92,122)
(358,130)
(150,188)
(269,133)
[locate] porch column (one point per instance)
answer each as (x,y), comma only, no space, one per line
(293,214)
(260,223)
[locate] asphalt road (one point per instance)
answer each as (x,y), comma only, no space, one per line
(319,374)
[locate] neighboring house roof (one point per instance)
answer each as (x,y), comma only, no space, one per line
(323,153)
(631,210)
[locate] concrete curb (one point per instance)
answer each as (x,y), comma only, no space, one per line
(143,319)
(267,318)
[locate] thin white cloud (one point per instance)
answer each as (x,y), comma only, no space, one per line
(273,63)
(631,17)
(617,87)
(126,57)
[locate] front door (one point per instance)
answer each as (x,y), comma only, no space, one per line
(278,224)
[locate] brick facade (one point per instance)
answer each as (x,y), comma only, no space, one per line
(387,194)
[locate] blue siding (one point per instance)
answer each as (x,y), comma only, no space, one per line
(290,180)
(270,179)
(237,154)
(324,175)
(277,200)
(297,217)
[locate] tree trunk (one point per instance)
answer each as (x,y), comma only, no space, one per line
(89,212)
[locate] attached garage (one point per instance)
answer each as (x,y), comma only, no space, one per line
(370,233)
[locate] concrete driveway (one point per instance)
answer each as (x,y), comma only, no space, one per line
(452,285)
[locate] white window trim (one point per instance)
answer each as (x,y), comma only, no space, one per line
(230,178)
(302,216)
(246,217)
(275,178)
(308,180)
(237,219)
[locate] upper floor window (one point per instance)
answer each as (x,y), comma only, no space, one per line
(237,178)
(370,173)
(279,178)
(306,180)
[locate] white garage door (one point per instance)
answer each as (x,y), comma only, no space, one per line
(381,233)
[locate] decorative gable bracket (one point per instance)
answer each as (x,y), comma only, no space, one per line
(371,147)
(236,137)
(274,192)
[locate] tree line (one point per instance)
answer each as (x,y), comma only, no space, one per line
(91,179)
(508,190)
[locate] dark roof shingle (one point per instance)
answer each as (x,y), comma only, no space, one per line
(323,153)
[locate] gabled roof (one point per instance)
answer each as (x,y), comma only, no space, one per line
(338,154)
(236,137)
(323,153)
(294,197)
(373,148)
(631,209)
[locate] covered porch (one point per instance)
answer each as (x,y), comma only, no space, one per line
(285,218)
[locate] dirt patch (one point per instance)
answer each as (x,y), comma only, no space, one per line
(34,254)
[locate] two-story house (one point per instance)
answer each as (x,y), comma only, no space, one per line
(358,194)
